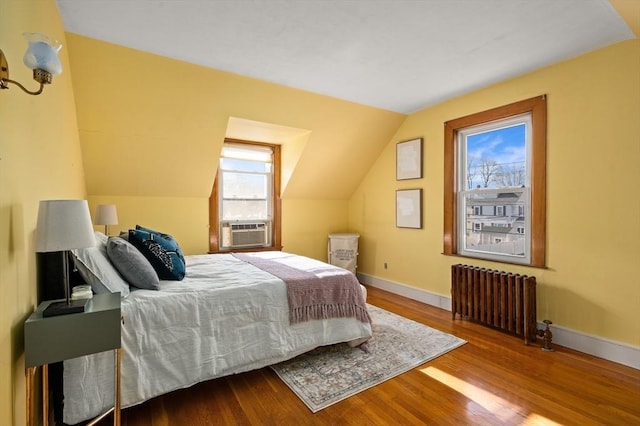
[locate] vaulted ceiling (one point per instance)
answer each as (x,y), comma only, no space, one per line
(399,55)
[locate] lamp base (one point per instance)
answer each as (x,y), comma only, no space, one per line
(64,308)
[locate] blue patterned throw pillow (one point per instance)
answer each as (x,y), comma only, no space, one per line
(162,251)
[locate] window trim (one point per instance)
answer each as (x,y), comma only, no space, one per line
(537,107)
(214,216)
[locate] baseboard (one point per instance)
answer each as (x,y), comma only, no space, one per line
(418,294)
(621,353)
(593,345)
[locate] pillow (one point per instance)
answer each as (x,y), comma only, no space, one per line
(162,251)
(142,228)
(134,267)
(101,240)
(96,269)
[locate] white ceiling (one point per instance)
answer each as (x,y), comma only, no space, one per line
(399,55)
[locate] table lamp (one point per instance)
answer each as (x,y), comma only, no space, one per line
(64,225)
(106,215)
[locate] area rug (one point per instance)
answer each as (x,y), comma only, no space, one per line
(330,374)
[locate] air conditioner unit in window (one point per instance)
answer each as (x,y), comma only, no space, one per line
(248,234)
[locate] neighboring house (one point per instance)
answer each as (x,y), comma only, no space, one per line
(495,223)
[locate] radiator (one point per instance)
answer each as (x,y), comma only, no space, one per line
(498,299)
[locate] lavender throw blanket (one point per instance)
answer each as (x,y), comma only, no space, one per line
(313,298)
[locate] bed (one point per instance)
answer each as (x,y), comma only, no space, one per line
(228,315)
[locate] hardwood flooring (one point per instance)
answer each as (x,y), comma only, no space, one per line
(492,380)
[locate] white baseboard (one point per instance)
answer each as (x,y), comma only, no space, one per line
(593,345)
(621,353)
(418,294)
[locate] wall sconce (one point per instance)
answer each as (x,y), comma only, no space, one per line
(41,57)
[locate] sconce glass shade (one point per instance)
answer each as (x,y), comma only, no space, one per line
(42,53)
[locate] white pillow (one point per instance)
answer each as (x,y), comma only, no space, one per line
(96,269)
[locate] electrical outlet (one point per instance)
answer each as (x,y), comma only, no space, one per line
(385,265)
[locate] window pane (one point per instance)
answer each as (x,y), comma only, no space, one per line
(496,158)
(494,222)
(244,185)
(245,210)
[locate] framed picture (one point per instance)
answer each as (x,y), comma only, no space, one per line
(409,208)
(409,159)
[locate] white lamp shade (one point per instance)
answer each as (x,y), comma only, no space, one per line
(64,225)
(106,214)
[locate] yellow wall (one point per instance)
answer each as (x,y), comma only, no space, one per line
(593,195)
(39,159)
(310,222)
(156,215)
(151,130)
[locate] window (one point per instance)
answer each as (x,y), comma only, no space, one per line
(244,207)
(495,160)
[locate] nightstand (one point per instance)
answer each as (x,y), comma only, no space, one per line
(53,339)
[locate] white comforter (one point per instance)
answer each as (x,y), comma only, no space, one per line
(225,317)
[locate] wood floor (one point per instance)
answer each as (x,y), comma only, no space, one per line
(492,380)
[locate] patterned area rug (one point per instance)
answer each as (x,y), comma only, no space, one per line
(329,374)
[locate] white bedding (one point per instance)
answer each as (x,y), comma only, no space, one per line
(201,328)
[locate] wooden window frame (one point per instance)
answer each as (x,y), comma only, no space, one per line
(214,216)
(537,107)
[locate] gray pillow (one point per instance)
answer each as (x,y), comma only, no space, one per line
(133,266)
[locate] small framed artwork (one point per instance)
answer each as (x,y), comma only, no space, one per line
(409,159)
(409,208)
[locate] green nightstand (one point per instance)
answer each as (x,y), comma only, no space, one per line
(53,339)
